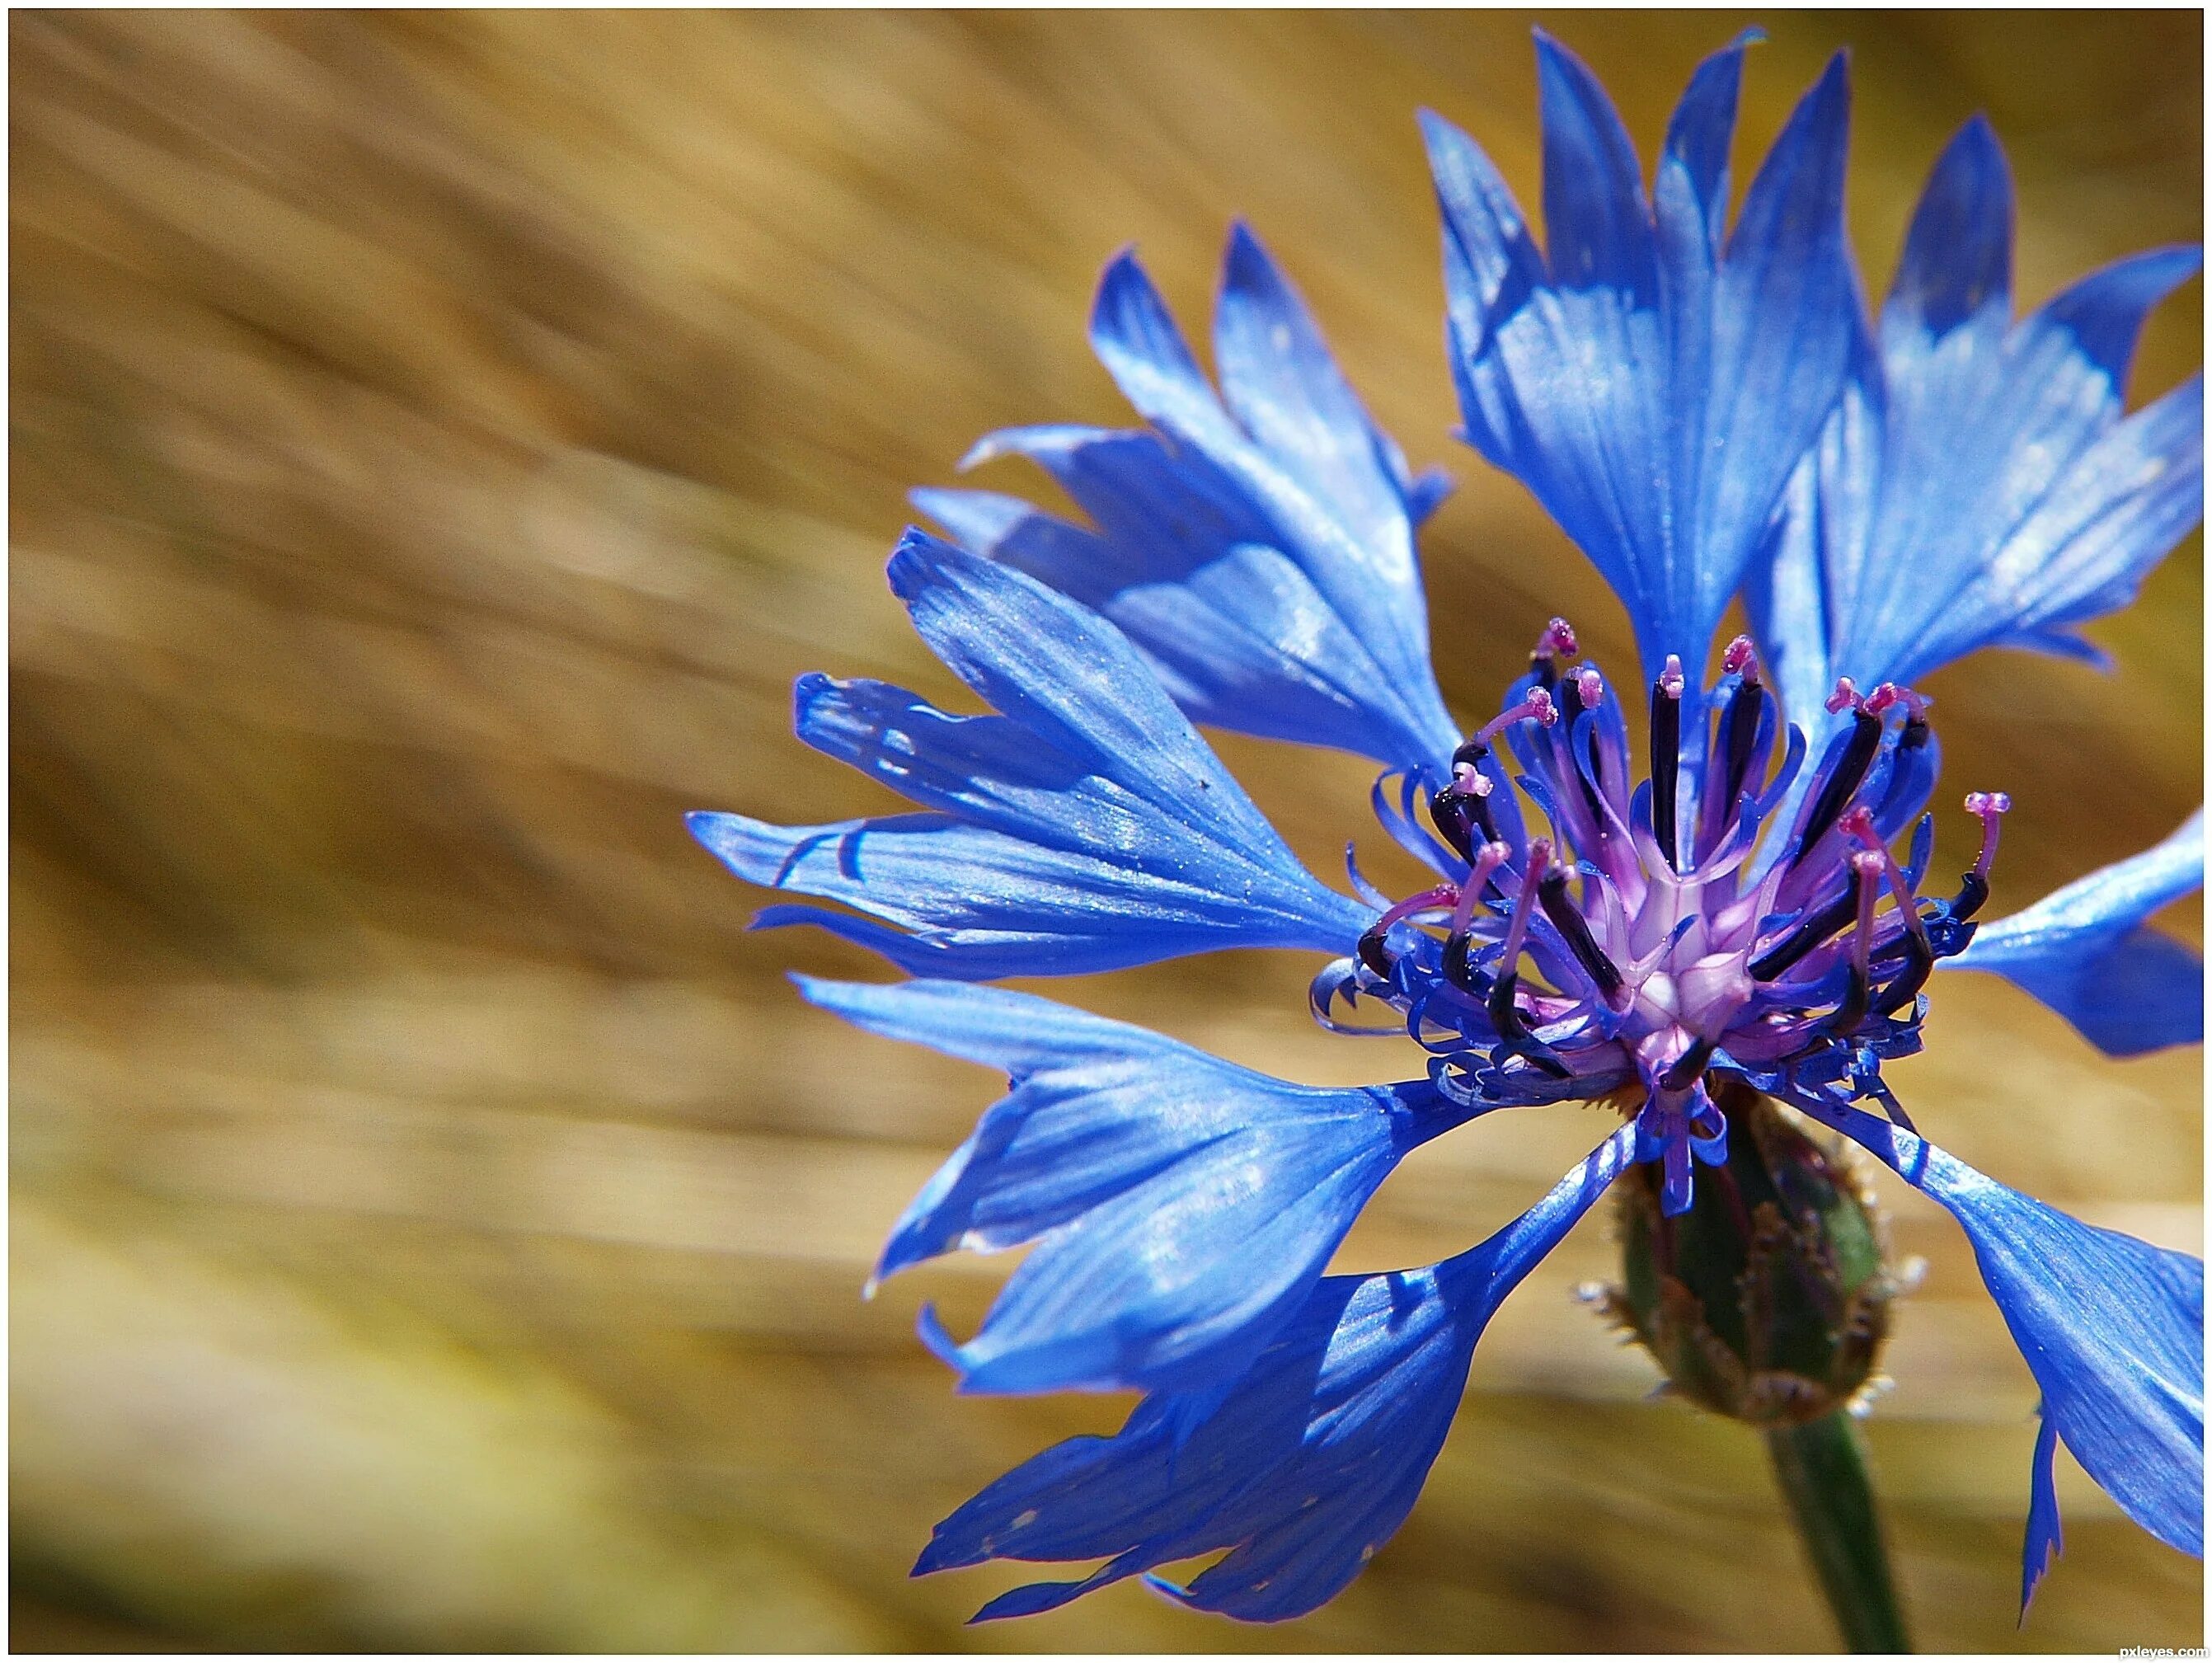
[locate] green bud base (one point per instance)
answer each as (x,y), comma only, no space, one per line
(1768,1302)
(1822,1468)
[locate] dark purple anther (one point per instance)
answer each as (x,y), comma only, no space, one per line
(1919,959)
(1551,895)
(1805,937)
(1374,954)
(1682,1073)
(1666,755)
(1374,950)
(1799,967)
(1915,712)
(1920,951)
(1739,733)
(1455,819)
(1844,780)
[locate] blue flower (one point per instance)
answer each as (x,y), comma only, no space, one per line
(1708,413)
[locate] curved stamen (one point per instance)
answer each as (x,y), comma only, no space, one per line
(1504,1015)
(1487,860)
(1674,951)
(1461,808)
(1974,887)
(1852,1011)
(1537,707)
(1374,951)
(1915,706)
(1920,952)
(1905,988)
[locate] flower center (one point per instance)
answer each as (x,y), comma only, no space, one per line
(1658,934)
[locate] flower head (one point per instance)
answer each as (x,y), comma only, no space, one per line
(1720,917)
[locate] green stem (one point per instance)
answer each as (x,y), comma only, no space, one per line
(1823,1469)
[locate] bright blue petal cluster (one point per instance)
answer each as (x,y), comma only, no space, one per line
(1088,828)
(1258,545)
(1653,380)
(1976,485)
(1302,1465)
(1710,414)
(1182,1208)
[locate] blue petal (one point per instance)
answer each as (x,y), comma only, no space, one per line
(1257,545)
(1183,1207)
(1235,630)
(1806,576)
(2043,1540)
(1596,223)
(2112,1328)
(1283,388)
(1956,271)
(2085,952)
(1977,484)
(1691,192)
(1651,388)
(1303,1468)
(1087,828)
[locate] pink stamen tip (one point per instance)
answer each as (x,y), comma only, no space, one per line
(1559,637)
(1740,659)
(1991,806)
(1537,707)
(1845,697)
(1888,694)
(1469,780)
(1858,822)
(1589,687)
(1671,682)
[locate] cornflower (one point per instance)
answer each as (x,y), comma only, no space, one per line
(1695,931)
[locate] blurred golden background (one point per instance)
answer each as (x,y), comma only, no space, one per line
(439,440)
